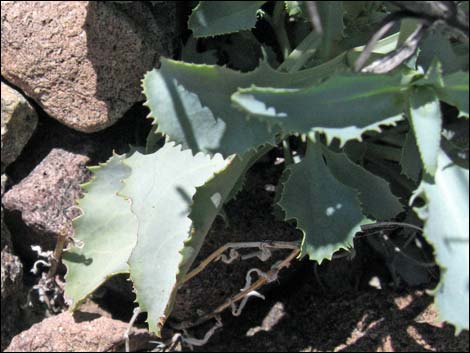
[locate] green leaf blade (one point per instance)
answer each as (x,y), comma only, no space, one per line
(343,107)
(446,227)
(208,202)
(107,230)
(211,18)
(426,120)
(410,160)
(377,200)
(326,211)
(161,189)
(192,106)
(331,17)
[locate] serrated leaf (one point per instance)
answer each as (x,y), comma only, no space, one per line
(327,211)
(278,212)
(208,201)
(426,120)
(211,18)
(410,161)
(343,107)
(377,200)
(446,227)
(107,230)
(161,188)
(191,104)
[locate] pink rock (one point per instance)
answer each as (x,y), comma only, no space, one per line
(83,61)
(68,333)
(46,196)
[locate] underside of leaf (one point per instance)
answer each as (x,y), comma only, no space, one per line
(161,189)
(426,120)
(446,227)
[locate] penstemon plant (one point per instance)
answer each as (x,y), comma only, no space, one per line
(352,95)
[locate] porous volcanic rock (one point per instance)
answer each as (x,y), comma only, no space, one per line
(83,61)
(46,196)
(78,333)
(19,119)
(11,285)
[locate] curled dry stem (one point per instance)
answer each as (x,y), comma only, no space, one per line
(264,246)
(262,280)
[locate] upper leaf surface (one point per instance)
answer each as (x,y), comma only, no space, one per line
(191,104)
(376,198)
(107,230)
(327,211)
(211,18)
(343,107)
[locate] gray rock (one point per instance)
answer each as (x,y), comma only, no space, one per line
(83,61)
(6,238)
(19,120)
(44,198)
(79,333)
(12,274)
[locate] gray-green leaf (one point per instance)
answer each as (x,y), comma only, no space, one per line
(327,211)
(447,229)
(426,120)
(161,189)
(107,230)
(377,200)
(343,107)
(191,104)
(211,18)
(410,161)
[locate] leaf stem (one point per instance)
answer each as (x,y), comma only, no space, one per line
(57,255)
